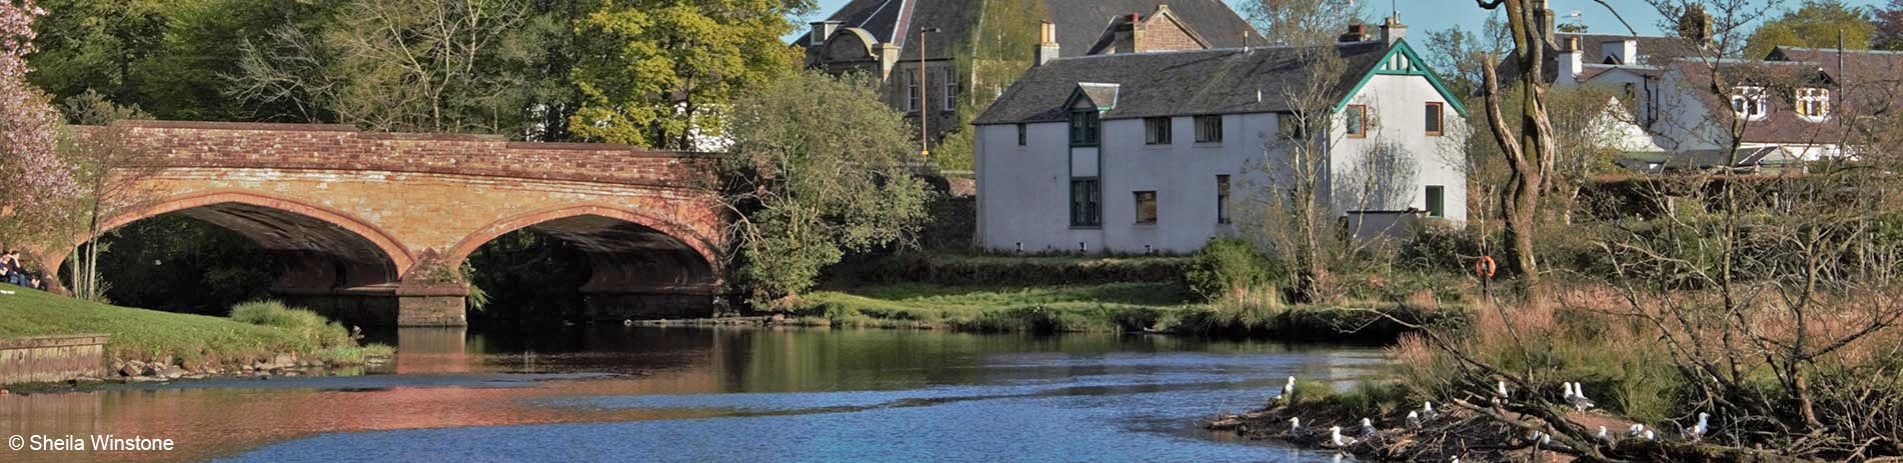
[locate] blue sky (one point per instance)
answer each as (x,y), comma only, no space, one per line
(1430,15)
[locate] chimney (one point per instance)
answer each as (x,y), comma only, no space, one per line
(1626,51)
(822,30)
(1356,33)
(1571,60)
(1046,44)
(1392,30)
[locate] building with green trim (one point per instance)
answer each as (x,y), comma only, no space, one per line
(1160,151)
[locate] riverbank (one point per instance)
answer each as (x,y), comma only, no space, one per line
(154,345)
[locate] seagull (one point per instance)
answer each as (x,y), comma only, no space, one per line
(1367,429)
(1602,437)
(1294,425)
(1339,441)
(1576,395)
(1414,421)
(1288,390)
(1427,411)
(1635,430)
(1698,432)
(1648,434)
(1500,390)
(1569,391)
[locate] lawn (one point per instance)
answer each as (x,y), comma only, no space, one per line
(1099,307)
(139,334)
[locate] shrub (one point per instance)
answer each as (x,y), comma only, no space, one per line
(1229,265)
(314,329)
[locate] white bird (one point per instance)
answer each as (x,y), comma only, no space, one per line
(1455,459)
(1337,440)
(1414,421)
(1648,434)
(1294,425)
(1569,390)
(1577,396)
(1603,437)
(1635,430)
(1698,432)
(1427,411)
(1367,429)
(1288,390)
(1500,390)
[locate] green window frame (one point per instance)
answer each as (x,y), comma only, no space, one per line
(1436,201)
(1086,202)
(1084,128)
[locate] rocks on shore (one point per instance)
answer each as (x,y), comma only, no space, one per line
(167,368)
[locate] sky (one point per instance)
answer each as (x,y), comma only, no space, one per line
(1432,15)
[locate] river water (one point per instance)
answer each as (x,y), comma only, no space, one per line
(713,394)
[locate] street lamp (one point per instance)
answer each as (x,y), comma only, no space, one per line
(923,103)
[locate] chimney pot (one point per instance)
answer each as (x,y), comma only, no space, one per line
(1047,49)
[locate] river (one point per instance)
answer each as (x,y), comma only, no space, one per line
(713,394)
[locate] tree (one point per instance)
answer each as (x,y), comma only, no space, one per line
(1888,34)
(99,45)
(1309,28)
(1530,151)
(1816,24)
(108,166)
(660,71)
(33,178)
(819,167)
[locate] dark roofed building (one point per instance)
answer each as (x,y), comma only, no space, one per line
(881,38)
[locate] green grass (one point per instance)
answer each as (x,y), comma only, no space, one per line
(139,334)
(993,308)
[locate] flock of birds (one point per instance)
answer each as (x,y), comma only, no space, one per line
(1574,395)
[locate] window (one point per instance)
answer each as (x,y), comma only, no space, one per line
(1289,127)
(1813,103)
(1222,199)
(1156,130)
(1208,129)
(951,90)
(1084,211)
(1631,92)
(1021,134)
(1355,121)
(1748,102)
(1083,128)
(1146,207)
(1436,201)
(911,92)
(1433,118)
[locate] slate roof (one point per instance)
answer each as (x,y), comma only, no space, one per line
(1079,22)
(1654,51)
(1217,81)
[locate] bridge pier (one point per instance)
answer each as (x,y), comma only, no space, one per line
(432,305)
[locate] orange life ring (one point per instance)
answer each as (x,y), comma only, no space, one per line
(1484,267)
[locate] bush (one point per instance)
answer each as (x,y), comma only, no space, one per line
(319,332)
(1229,265)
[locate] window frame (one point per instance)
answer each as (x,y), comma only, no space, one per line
(1222,199)
(1201,123)
(1749,102)
(949,91)
(1091,204)
(912,97)
(1289,127)
(1361,122)
(1139,201)
(1439,120)
(1435,194)
(1022,134)
(1156,131)
(1805,97)
(1091,131)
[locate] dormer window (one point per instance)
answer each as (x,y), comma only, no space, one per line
(1748,102)
(1083,128)
(1813,103)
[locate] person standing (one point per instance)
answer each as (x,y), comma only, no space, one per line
(9,268)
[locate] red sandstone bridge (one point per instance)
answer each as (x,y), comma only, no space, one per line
(375,224)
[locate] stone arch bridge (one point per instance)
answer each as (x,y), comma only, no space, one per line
(374,225)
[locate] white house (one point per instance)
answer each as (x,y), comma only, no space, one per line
(1161,151)
(1792,102)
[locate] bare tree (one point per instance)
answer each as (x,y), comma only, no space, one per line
(1530,151)
(109,166)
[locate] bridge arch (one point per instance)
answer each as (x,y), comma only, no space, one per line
(641,265)
(330,250)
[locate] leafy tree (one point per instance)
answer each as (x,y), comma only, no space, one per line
(33,178)
(1888,34)
(108,167)
(1816,24)
(660,71)
(99,45)
(818,168)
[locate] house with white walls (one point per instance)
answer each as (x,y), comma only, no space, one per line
(1160,151)
(1794,105)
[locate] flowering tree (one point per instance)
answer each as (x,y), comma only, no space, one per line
(32,175)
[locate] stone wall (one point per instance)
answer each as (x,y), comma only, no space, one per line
(50,359)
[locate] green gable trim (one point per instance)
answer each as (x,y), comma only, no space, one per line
(1414,67)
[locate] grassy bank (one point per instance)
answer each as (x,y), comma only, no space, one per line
(1107,307)
(193,340)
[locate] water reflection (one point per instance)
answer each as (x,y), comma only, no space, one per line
(709,394)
